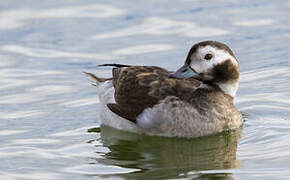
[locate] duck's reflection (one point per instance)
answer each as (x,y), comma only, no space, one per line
(163,158)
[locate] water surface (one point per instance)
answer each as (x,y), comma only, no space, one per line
(47,107)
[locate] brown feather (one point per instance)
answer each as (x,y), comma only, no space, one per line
(115,65)
(141,87)
(96,80)
(115,108)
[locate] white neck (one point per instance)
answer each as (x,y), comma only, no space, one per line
(229,88)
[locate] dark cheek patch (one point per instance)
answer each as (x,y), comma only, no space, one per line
(188,60)
(226,72)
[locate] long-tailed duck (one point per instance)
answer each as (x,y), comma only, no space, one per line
(196,100)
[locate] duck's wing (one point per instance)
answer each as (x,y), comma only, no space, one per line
(132,87)
(141,87)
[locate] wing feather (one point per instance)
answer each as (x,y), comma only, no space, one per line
(141,87)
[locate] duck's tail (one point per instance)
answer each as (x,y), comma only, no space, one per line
(95,80)
(115,65)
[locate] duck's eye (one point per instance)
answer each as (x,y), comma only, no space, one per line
(208,56)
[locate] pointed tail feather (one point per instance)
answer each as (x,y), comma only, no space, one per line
(96,80)
(115,65)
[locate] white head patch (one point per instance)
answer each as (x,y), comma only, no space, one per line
(201,65)
(205,66)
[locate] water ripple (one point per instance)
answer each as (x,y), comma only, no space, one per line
(80,102)
(7,61)
(50,53)
(31,175)
(163,26)
(11,132)
(15,18)
(144,49)
(48,109)
(98,169)
(20,99)
(70,133)
(257,22)
(52,90)
(21,114)
(35,141)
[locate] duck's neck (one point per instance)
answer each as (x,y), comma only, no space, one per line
(229,88)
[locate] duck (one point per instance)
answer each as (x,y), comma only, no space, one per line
(194,101)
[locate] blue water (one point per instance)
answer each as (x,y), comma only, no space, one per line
(48,108)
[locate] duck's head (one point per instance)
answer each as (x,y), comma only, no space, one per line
(213,63)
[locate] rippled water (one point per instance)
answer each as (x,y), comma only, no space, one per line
(48,109)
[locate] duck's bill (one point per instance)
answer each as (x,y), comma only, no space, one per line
(184,72)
